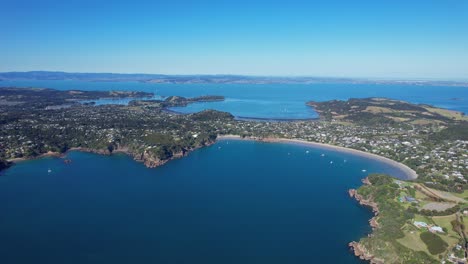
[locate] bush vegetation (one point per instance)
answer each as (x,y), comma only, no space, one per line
(434,243)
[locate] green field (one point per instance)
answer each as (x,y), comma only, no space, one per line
(413,242)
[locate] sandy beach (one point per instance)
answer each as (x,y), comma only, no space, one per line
(410,173)
(43,155)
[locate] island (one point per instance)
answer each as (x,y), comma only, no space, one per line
(416,221)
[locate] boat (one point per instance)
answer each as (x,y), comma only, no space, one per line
(364,170)
(49,170)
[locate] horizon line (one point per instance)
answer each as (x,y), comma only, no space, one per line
(375,78)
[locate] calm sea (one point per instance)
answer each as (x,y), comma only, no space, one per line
(233,202)
(286,101)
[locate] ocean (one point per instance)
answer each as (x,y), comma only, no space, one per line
(233,202)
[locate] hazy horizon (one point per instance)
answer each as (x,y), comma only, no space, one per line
(256,76)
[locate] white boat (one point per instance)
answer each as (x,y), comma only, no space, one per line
(49,170)
(364,170)
(307,152)
(323,155)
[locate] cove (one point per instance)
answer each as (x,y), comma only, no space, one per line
(233,202)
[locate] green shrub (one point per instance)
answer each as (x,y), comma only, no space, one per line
(434,243)
(380,179)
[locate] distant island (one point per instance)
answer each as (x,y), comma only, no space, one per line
(214,79)
(417,221)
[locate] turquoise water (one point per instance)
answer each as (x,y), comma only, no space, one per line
(233,202)
(286,101)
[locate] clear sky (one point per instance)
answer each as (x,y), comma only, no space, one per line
(349,38)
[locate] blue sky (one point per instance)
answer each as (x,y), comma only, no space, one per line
(381,39)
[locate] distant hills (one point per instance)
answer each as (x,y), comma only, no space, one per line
(187,79)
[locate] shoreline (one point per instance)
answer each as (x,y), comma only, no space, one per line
(43,155)
(147,160)
(409,173)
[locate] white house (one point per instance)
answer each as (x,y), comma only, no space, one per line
(435,229)
(419,224)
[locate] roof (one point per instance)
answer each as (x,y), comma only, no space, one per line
(436,228)
(417,223)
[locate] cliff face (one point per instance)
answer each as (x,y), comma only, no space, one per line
(369,203)
(359,250)
(151,160)
(362,253)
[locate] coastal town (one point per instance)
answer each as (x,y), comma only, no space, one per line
(431,141)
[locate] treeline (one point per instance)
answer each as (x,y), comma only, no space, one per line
(448,211)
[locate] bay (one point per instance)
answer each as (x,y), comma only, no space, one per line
(232,202)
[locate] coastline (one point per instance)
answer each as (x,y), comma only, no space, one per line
(43,155)
(410,173)
(356,247)
(150,162)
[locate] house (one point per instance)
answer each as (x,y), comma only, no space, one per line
(419,224)
(410,199)
(435,229)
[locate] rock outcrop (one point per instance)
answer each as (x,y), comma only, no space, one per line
(359,250)
(362,253)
